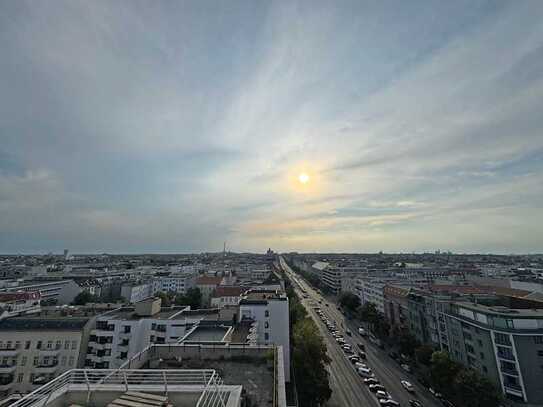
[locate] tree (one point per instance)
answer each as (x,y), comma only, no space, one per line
(84,297)
(423,354)
(473,390)
(443,371)
(349,301)
(309,360)
(407,343)
(193,298)
(368,313)
(166,302)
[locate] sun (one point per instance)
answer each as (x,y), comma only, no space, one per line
(303,178)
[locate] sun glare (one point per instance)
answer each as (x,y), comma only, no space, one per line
(303,178)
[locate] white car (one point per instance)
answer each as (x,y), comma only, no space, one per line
(408,386)
(364,372)
(380,394)
(360,365)
(361,331)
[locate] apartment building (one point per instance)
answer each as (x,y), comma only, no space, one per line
(37,348)
(14,304)
(207,285)
(502,338)
(268,312)
(58,291)
(135,292)
(396,306)
(225,296)
(124,332)
(178,282)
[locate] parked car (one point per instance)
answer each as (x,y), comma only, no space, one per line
(407,368)
(361,365)
(371,380)
(364,372)
(434,393)
(362,354)
(354,359)
(380,394)
(376,387)
(348,332)
(415,403)
(408,386)
(388,403)
(361,346)
(362,331)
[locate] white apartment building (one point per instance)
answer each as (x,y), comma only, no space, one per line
(225,296)
(39,347)
(268,311)
(372,290)
(136,292)
(175,282)
(122,333)
(61,291)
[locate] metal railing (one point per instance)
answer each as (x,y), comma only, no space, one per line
(207,381)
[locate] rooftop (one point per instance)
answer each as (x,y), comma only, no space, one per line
(207,334)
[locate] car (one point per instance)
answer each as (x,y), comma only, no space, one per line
(364,372)
(354,359)
(407,386)
(380,394)
(361,354)
(388,403)
(348,332)
(361,365)
(415,403)
(371,380)
(393,355)
(347,350)
(362,331)
(434,393)
(407,368)
(361,346)
(326,304)
(377,387)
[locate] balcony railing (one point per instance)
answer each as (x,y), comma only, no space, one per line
(205,380)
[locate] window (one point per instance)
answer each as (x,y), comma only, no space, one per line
(482,355)
(36,360)
(74,345)
(49,344)
(540,353)
(67,345)
(71,361)
(58,345)
(38,345)
(480,342)
(538,340)
(27,344)
(20,377)
(485,369)
(267,313)
(63,361)
(266,336)
(23,361)
(127,329)
(17,344)
(266,325)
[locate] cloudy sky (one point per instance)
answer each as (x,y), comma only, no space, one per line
(171,126)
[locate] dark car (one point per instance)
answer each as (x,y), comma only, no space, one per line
(393,355)
(348,332)
(415,403)
(376,387)
(371,380)
(361,346)
(362,354)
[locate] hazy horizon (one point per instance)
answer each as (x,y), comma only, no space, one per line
(135,126)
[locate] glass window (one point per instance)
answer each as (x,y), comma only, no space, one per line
(23,361)
(27,344)
(67,345)
(71,361)
(20,377)
(74,345)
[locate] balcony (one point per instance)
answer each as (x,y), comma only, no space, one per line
(6,381)
(11,351)
(49,352)
(9,368)
(46,368)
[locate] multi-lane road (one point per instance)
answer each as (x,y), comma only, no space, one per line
(348,388)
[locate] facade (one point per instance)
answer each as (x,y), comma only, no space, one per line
(36,348)
(178,283)
(268,312)
(331,278)
(207,286)
(225,296)
(59,291)
(15,304)
(371,290)
(502,342)
(136,292)
(396,307)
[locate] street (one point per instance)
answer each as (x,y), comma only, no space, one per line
(348,388)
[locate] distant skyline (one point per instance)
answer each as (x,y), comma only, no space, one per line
(171,127)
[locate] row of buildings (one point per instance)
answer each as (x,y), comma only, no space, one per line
(487,316)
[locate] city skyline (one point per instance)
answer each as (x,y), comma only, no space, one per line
(130,127)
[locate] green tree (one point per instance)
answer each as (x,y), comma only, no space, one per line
(309,359)
(471,389)
(84,297)
(368,313)
(193,297)
(349,301)
(423,354)
(166,302)
(443,371)
(407,343)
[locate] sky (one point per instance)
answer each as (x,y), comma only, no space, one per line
(172,127)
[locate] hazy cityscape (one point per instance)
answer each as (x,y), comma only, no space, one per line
(271,204)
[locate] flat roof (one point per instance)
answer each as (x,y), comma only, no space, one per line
(501,310)
(207,334)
